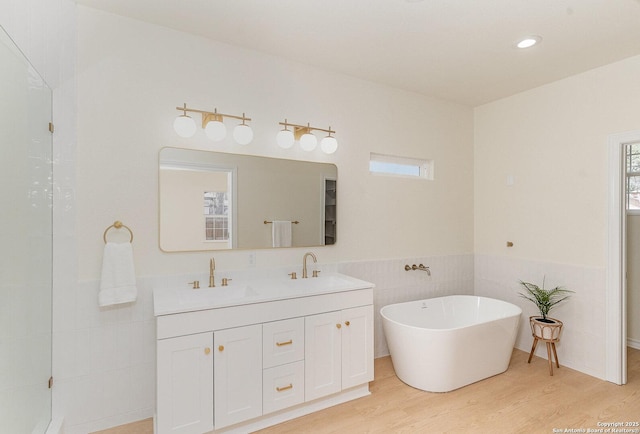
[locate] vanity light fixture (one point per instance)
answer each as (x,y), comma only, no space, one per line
(184,125)
(212,123)
(303,134)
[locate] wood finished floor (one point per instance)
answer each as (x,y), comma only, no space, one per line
(525,399)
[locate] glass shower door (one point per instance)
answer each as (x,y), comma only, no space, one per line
(25,244)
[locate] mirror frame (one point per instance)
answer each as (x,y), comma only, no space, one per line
(234,200)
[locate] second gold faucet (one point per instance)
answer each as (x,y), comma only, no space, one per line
(304,264)
(212,269)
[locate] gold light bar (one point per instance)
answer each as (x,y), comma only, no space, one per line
(212,116)
(299,130)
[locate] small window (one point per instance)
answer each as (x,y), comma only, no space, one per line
(633,176)
(216,215)
(400,166)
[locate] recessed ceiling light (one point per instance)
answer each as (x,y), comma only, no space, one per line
(529,41)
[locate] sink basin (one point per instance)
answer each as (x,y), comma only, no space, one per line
(217,294)
(328,283)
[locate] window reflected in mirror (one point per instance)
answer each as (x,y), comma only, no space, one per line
(216,216)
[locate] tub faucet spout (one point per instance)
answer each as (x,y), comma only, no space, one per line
(304,263)
(421,267)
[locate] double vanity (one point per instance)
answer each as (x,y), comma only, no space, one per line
(258,352)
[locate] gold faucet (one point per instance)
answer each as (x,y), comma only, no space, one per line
(212,269)
(304,263)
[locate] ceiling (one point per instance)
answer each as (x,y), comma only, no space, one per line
(458,50)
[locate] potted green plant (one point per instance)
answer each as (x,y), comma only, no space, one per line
(544,326)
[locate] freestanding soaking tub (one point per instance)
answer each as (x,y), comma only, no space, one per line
(444,343)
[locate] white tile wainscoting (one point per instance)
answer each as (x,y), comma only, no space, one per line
(582,343)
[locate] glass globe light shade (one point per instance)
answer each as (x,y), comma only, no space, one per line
(215,130)
(184,126)
(242,134)
(285,139)
(308,142)
(329,145)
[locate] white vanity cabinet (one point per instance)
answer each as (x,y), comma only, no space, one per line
(242,366)
(339,351)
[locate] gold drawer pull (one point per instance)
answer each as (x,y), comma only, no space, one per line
(347,323)
(207,351)
(221,348)
(282,344)
(339,326)
(282,389)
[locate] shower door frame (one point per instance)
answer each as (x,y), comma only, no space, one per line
(38,149)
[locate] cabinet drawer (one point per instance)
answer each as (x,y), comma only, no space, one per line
(283,342)
(282,386)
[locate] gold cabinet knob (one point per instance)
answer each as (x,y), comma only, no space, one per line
(339,325)
(221,348)
(207,351)
(347,323)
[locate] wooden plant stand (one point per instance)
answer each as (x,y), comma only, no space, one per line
(549,333)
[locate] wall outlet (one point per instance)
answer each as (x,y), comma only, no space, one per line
(252,259)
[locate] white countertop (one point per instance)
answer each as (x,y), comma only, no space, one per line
(167,301)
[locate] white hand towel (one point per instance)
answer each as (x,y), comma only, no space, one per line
(281,233)
(118,283)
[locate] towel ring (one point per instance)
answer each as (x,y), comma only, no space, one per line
(118,225)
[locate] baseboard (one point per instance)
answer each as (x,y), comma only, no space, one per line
(300,410)
(633,343)
(55,426)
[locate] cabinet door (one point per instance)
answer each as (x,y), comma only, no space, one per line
(185,384)
(357,346)
(322,355)
(237,374)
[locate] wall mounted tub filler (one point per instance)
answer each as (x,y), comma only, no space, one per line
(420,267)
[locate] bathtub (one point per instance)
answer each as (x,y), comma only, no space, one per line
(445,343)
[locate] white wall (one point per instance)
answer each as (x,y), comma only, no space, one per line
(552,141)
(130,82)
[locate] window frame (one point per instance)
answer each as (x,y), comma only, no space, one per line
(424,167)
(628,175)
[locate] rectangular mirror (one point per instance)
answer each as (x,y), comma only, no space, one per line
(219,201)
